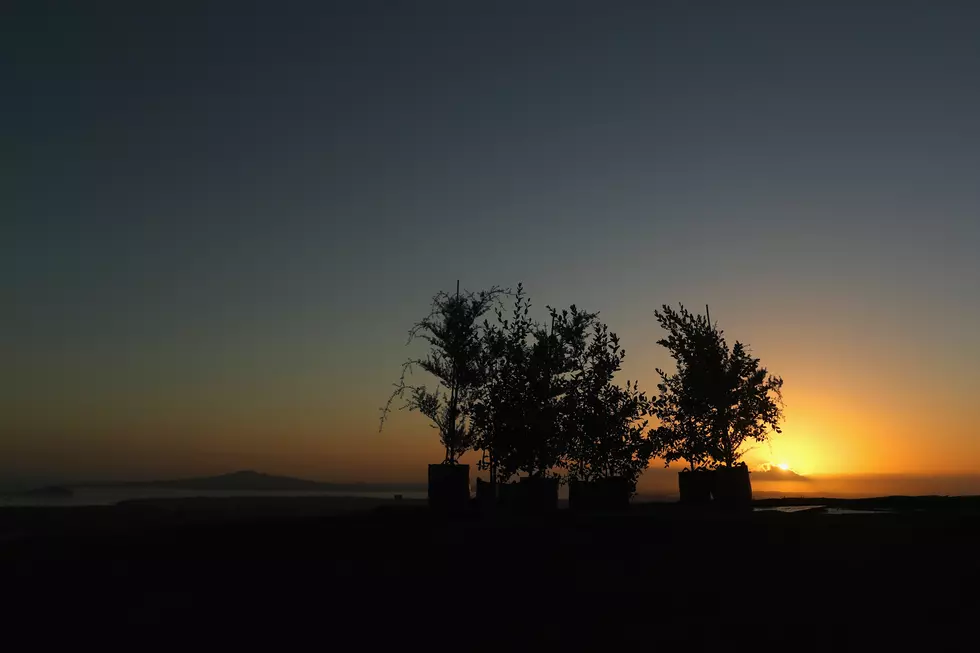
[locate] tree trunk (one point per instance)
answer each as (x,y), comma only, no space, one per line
(493,469)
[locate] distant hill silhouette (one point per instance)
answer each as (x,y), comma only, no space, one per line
(49,491)
(252,480)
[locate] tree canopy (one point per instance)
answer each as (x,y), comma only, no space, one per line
(538,399)
(519,416)
(718,399)
(456,360)
(606,422)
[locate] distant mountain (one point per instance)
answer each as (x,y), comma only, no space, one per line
(50,491)
(257,481)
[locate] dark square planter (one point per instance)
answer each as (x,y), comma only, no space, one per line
(486,496)
(530,495)
(449,488)
(732,489)
(604,494)
(695,487)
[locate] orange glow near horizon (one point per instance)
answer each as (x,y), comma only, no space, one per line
(212,266)
(848,411)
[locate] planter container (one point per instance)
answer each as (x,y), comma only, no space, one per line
(486,496)
(530,495)
(695,487)
(603,494)
(732,488)
(539,495)
(449,488)
(509,496)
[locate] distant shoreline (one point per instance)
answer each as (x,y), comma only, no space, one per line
(83,495)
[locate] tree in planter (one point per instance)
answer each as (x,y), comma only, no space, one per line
(540,449)
(749,406)
(605,421)
(455,359)
(499,412)
(518,416)
(683,405)
(718,399)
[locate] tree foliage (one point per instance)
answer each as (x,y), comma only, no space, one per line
(550,402)
(519,415)
(537,399)
(718,399)
(500,412)
(605,422)
(456,361)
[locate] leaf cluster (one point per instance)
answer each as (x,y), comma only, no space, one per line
(455,359)
(718,398)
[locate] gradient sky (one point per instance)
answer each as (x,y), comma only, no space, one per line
(219,220)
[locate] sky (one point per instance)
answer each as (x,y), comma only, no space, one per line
(221,219)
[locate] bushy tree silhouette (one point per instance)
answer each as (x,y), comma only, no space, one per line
(456,360)
(518,416)
(549,401)
(538,399)
(718,399)
(604,422)
(500,411)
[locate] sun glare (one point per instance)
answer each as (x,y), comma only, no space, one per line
(783,466)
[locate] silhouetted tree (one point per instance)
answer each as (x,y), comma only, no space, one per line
(499,413)
(456,360)
(519,415)
(540,450)
(718,398)
(604,422)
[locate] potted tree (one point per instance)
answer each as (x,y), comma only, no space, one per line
(681,406)
(747,404)
(517,414)
(718,399)
(608,449)
(498,414)
(455,360)
(674,442)
(539,448)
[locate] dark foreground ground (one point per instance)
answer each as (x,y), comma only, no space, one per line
(348,568)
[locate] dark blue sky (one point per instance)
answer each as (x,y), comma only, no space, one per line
(220,218)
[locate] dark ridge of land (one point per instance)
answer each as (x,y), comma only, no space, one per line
(358,567)
(49,491)
(899,503)
(258,481)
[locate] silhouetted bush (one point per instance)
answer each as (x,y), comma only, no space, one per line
(518,412)
(537,400)
(549,402)
(604,423)
(718,399)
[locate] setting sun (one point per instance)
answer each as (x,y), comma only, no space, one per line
(783,466)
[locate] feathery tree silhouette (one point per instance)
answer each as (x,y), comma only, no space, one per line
(455,359)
